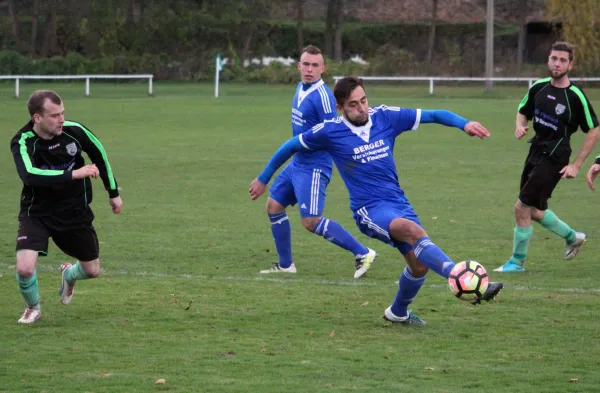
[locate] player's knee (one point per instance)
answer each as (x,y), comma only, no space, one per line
(25,271)
(274,207)
(416,267)
(419,270)
(310,223)
(91,268)
(406,231)
(26,261)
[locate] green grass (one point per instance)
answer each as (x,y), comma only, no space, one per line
(180,297)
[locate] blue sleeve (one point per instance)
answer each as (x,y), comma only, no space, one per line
(325,105)
(443,117)
(401,119)
(280,157)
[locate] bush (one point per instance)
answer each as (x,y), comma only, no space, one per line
(13,63)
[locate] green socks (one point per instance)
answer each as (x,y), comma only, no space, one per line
(521,243)
(29,290)
(75,273)
(552,223)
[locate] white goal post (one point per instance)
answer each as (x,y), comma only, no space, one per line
(87,78)
(432,79)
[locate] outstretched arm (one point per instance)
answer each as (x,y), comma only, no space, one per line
(571,170)
(593,173)
(259,185)
(451,119)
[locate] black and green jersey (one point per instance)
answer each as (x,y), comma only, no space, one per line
(557,113)
(45,167)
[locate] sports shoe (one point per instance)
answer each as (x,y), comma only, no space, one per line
(410,319)
(364,262)
(510,267)
(492,290)
(66,290)
(573,249)
(30,315)
(278,269)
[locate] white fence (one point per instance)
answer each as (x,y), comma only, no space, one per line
(433,79)
(87,78)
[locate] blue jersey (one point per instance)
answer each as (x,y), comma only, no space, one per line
(364,155)
(313,104)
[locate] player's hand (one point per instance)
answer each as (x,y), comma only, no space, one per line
(86,171)
(521,131)
(257,188)
(570,171)
(474,128)
(591,176)
(116,204)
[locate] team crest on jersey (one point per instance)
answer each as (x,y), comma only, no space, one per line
(72,149)
(560,109)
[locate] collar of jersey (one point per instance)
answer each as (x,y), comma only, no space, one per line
(363,132)
(306,86)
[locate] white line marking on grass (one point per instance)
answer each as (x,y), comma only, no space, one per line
(291,280)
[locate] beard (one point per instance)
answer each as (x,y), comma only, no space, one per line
(557,76)
(357,123)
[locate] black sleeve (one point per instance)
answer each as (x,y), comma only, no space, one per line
(526,106)
(587,118)
(94,149)
(29,174)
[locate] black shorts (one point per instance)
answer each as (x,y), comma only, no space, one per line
(79,242)
(540,177)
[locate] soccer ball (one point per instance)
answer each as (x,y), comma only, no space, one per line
(468,280)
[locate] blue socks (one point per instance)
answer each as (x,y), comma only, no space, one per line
(408,287)
(433,257)
(335,233)
(282,234)
(328,229)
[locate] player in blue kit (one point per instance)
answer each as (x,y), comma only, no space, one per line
(305,179)
(361,143)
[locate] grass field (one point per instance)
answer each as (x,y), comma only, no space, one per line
(180,298)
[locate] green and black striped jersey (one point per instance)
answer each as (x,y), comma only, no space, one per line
(45,167)
(557,112)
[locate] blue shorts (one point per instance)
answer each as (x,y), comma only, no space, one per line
(375,220)
(304,187)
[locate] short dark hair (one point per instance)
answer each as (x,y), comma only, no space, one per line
(564,47)
(36,101)
(311,50)
(344,87)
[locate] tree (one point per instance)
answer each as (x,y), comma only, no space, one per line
(580,26)
(300,25)
(329,27)
(50,46)
(431,43)
(35,19)
(14,23)
(520,10)
(334,23)
(338,31)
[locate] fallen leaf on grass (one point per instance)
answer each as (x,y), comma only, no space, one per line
(309,333)
(188,306)
(386,356)
(332,333)
(429,368)
(574,380)
(160,381)
(364,304)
